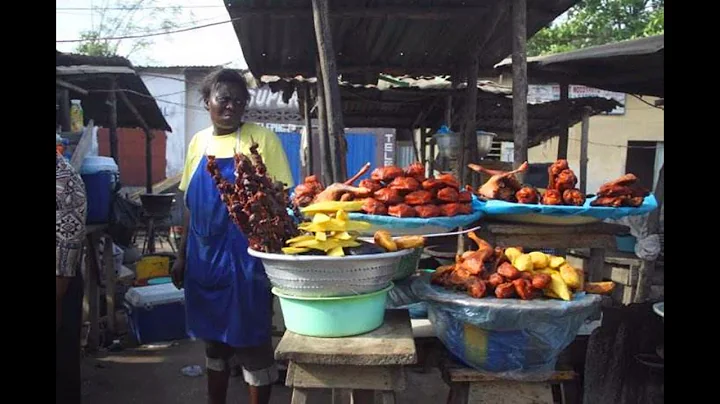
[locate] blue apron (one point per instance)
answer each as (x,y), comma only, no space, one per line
(227,294)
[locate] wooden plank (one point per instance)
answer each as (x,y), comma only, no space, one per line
(516,228)
(509,392)
(308,375)
(555,241)
(362,397)
(459,393)
(457,373)
(65,110)
(595,265)
(300,396)
(391,344)
(88,69)
(520,83)
(562,151)
(584,139)
(71,86)
(92,294)
(326,54)
(110,283)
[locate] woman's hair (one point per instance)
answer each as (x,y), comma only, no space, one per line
(227,76)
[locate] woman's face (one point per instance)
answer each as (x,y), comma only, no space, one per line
(226,106)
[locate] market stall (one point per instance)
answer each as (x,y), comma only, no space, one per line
(316,269)
(87,93)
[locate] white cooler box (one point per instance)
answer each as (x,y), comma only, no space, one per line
(156,313)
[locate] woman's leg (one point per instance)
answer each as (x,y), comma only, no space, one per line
(67,345)
(217,356)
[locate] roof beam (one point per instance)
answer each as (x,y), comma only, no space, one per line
(410,13)
(70,86)
(88,69)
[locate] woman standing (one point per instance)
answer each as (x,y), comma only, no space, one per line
(227,294)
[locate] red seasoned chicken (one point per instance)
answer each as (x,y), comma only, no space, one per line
(528,195)
(419,198)
(401,210)
(405,184)
(426,211)
(449,180)
(552,197)
(386,174)
(573,197)
(374,207)
(432,184)
(388,196)
(371,185)
(448,195)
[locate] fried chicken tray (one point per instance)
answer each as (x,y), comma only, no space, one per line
(561,202)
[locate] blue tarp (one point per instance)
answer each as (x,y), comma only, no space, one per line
(496,207)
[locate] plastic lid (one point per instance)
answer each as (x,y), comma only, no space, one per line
(97,164)
(75,102)
(443,130)
(154,295)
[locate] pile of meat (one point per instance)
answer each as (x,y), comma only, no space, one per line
(488,271)
(313,191)
(393,191)
(408,193)
(624,191)
(256,204)
(503,185)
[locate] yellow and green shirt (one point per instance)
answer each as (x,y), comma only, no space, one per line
(270,148)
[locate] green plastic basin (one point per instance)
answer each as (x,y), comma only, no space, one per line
(333,317)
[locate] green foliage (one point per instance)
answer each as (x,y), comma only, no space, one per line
(597,22)
(123,18)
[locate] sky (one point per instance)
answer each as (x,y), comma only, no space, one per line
(214,45)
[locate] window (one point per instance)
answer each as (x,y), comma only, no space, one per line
(644,159)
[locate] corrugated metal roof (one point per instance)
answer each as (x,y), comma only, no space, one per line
(635,66)
(390,36)
(94,104)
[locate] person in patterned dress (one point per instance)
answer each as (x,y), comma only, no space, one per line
(70,215)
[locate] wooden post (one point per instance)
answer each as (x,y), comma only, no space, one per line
(112,129)
(584,138)
(65,110)
(148,161)
(110,283)
(448,111)
(326,173)
(520,82)
(647,268)
(562,151)
(470,143)
(423,145)
(326,53)
(307,146)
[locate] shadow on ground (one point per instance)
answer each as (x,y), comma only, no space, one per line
(152,374)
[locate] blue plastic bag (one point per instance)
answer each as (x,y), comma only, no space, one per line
(509,338)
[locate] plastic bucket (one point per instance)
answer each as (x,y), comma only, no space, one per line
(333,316)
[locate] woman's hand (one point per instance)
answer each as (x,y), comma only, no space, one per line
(177,273)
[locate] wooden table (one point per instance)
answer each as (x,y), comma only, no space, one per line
(470,386)
(93,283)
(353,366)
(596,236)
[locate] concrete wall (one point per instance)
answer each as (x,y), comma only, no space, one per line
(608,140)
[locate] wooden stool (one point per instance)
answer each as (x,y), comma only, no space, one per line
(353,366)
(470,386)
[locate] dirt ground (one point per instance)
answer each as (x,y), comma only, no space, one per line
(152,374)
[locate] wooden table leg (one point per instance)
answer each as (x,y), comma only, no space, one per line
(363,397)
(595,264)
(388,397)
(92,293)
(299,396)
(459,393)
(110,281)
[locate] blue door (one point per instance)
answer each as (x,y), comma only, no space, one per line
(291,144)
(362,148)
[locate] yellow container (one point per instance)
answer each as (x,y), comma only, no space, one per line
(76,117)
(152,266)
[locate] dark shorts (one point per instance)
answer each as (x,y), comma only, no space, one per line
(258,363)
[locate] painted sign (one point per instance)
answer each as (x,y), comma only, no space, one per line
(539,93)
(388,149)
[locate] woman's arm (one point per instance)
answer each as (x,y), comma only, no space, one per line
(178,270)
